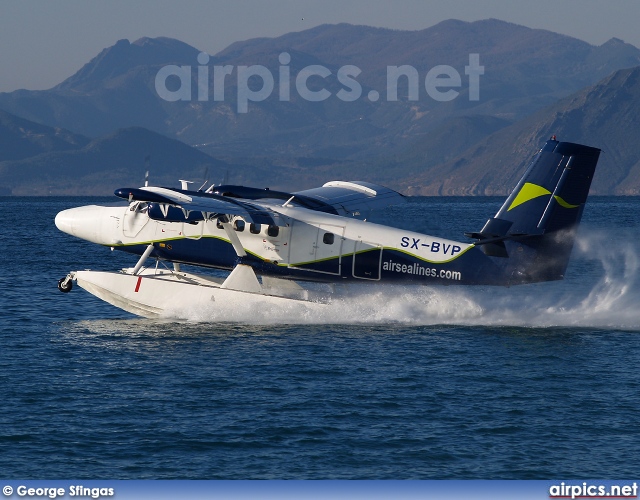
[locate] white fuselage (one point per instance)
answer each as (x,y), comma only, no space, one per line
(314,242)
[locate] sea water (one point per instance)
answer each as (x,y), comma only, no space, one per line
(528,382)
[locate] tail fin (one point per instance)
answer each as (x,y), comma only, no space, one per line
(535,227)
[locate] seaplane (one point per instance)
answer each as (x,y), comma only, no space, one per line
(272,247)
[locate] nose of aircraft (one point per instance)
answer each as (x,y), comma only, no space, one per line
(64,221)
(90,223)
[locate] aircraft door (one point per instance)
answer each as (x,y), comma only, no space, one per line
(329,247)
(302,243)
(316,248)
(367,260)
(135,218)
(193,231)
(275,243)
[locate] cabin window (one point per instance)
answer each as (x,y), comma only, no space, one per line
(255,228)
(138,207)
(273,231)
(238,225)
(328,238)
(219,224)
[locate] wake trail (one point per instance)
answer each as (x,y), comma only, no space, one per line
(601,290)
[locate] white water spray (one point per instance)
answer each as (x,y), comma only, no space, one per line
(601,290)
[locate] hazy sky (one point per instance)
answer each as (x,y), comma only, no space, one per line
(42,42)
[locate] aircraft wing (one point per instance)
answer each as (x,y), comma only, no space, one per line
(353,198)
(346,198)
(198,202)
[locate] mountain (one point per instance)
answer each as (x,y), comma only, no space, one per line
(93,131)
(106,163)
(524,70)
(113,90)
(20,138)
(40,160)
(605,115)
(431,150)
(122,61)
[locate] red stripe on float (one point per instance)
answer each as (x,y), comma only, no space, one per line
(138,283)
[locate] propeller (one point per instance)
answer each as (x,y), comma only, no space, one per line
(225,181)
(134,208)
(147,162)
(206,179)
